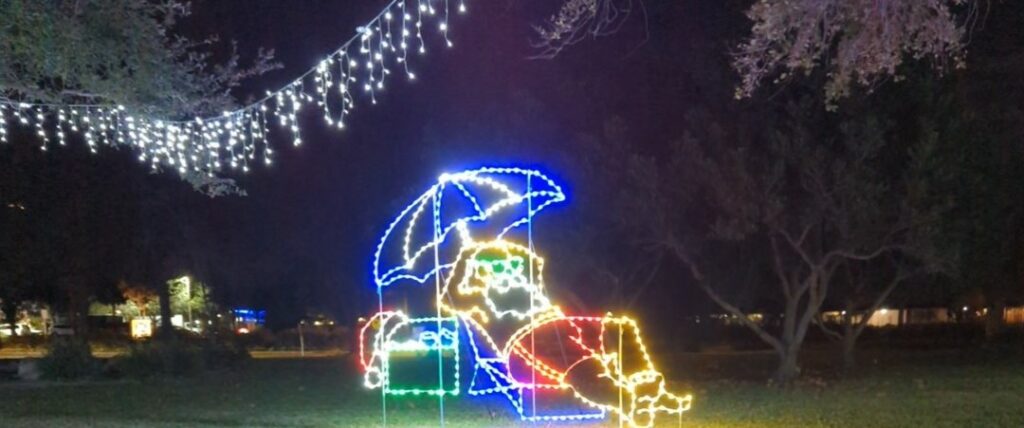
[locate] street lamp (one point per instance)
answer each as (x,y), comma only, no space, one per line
(186,281)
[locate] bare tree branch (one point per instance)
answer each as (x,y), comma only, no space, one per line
(881,298)
(779,270)
(699,278)
(851,255)
(823,326)
(578,20)
(797,248)
(646,283)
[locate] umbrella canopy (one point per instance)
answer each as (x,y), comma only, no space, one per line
(480,204)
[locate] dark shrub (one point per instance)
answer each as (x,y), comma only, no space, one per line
(223,355)
(68,359)
(159,358)
(315,337)
(178,357)
(31,341)
(109,339)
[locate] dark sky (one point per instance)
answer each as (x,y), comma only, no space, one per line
(303,238)
(316,214)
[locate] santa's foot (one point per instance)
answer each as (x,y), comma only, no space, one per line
(652,398)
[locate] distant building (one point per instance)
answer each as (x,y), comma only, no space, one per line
(894,317)
(886,317)
(247,320)
(1014,315)
(927,316)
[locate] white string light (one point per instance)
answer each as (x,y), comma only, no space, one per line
(235,139)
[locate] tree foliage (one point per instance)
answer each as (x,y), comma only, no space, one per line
(857,43)
(142,300)
(618,279)
(854,44)
(121,52)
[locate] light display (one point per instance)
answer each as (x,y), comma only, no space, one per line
(236,139)
(489,295)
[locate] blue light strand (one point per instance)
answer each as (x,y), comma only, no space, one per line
(397,273)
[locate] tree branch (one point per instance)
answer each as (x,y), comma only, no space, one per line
(818,287)
(861,256)
(797,246)
(81,94)
(777,259)
(880,299)
(834,335)
(644,285)
(699,278)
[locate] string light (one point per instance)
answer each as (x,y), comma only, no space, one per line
(236,138)
(494,292)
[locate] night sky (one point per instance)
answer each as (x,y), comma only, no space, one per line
(316,214)
(302,239)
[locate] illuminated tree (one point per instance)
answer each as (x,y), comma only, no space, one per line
(142,299)
(856,43)
(189,297)
(853,43)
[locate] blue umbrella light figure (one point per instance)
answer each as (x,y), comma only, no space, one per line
(489,289)
(484,203)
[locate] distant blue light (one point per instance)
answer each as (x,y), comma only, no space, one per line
(250,316)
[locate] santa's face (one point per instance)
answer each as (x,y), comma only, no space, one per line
(508,286)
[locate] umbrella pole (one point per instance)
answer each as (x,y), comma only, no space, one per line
(529,238)
(384,361)
(437,302)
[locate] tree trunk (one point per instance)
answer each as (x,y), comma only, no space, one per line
(994,319)
(849,346)
(848,340)
(78,309)
(166,329)
(10,315)
(788,369)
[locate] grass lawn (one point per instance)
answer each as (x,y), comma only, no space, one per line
(325,392)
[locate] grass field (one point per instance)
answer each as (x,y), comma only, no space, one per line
(325,392)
